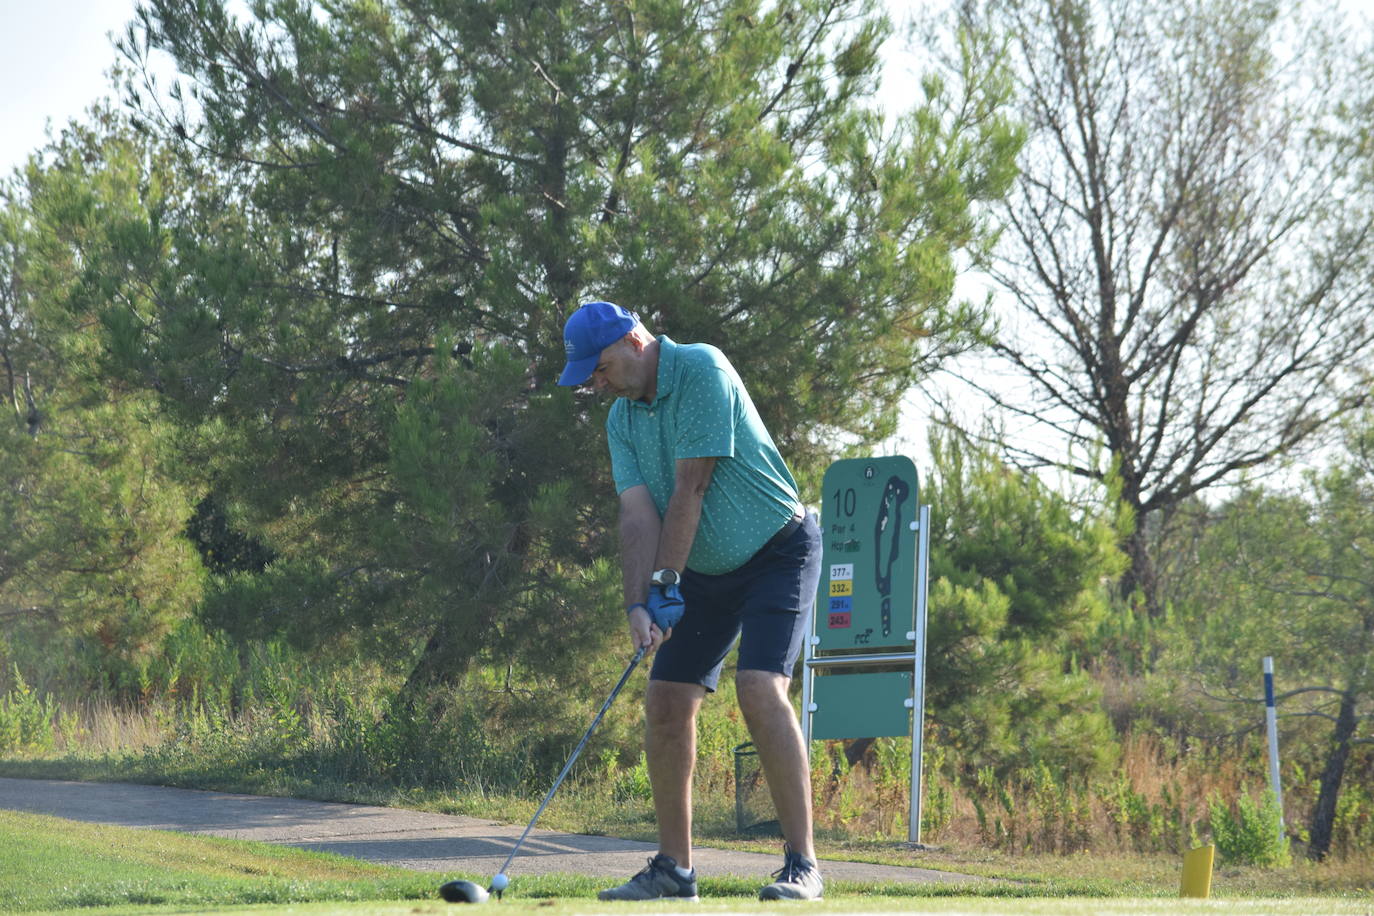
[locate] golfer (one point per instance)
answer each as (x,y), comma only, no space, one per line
(715,545)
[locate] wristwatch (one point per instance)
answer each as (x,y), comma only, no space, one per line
(665,577)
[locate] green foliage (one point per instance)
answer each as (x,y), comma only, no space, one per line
(1018,578)
(1146,824)
(299,726)
(1284,572)
(633,783)
(349,294)
(1253,834)
(93,503)
(1353,827)
(26,719)
(223,548)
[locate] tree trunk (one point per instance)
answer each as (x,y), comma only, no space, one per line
(439,665)
(1324,814)
(1141,576)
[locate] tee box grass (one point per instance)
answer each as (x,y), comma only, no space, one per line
(51,865)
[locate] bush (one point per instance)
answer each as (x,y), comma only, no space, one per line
(1253,835)
(26,718)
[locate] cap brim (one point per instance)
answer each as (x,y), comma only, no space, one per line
(577,371)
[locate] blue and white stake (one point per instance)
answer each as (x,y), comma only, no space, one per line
(1271,724)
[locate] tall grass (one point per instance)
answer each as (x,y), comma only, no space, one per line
(270,721)
(1167,796)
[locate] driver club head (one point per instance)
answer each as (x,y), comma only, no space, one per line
(463,892)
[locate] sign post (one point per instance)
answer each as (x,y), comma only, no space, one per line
(1271,727)
(865,661)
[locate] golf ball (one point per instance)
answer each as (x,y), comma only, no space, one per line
(499,883)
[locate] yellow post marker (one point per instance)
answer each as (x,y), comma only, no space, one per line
(1197,872)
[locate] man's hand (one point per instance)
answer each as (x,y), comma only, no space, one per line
(644,633)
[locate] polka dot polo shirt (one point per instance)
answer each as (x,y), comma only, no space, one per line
(701,410)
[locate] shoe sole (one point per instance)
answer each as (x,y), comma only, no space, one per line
(764,895)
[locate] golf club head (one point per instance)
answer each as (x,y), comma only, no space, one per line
(463,892)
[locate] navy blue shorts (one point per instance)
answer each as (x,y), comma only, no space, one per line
(766,603)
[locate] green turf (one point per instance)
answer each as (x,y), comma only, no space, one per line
(51,865)
(941,907)
(47,864)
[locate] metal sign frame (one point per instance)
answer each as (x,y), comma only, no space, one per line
(820,656)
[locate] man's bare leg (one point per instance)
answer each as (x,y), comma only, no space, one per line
(670,750)
(777,735)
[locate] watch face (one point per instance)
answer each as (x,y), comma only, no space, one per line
(666,577)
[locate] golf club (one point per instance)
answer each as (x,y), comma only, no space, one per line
(468,891)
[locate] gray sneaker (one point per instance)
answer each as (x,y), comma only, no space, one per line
(798,879)
(658,880)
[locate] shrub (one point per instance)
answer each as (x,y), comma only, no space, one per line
(26,718)
(1253,834)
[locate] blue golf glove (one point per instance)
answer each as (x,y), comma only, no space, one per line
(666,605)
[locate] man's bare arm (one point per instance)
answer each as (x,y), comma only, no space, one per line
(691,478)
(640,531)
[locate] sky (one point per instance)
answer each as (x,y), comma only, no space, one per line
(54,57)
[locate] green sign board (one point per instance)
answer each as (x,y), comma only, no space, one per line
(867,595)
(868,705)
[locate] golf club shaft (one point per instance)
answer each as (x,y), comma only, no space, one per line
(639,654)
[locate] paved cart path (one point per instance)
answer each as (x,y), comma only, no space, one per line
(393,836)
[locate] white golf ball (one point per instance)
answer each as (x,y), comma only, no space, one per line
(499,883)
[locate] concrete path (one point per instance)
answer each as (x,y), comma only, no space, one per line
(442,843)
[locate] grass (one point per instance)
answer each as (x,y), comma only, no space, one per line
(598,800)
(963,907)
(51,865)
(582,809)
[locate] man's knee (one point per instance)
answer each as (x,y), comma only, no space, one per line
(761,691)
(670,704)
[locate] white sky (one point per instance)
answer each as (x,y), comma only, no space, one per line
(54,56)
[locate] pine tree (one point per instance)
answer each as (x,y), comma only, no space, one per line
(399,203)
(93,567)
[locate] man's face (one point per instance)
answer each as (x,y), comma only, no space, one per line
(618,371)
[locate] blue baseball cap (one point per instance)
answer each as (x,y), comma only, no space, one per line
(589,330)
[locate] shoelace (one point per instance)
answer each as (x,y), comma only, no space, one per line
(647,869)
(791,870)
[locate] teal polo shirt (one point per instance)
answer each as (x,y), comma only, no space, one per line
(701,410)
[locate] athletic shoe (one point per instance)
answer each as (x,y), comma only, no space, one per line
(798,879)
(658,880)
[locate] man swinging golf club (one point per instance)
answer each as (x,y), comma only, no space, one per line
(714,545)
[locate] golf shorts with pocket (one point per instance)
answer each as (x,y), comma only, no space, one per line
(766,603)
